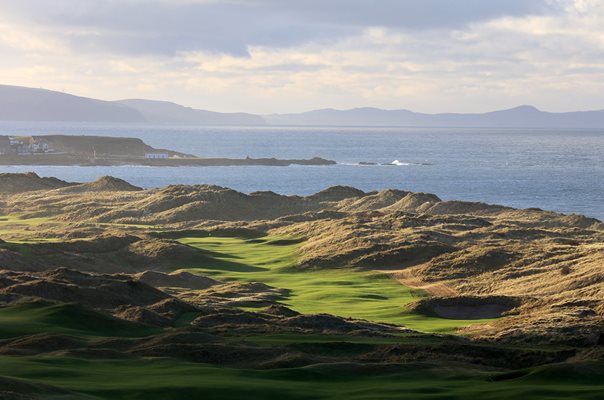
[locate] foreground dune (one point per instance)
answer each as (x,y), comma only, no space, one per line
(182,270)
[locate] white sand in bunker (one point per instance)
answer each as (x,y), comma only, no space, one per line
(444,301)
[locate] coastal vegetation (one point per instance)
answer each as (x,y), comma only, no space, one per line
(109,290)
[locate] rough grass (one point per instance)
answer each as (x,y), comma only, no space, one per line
(70,319)
(344,292)
(15,225)
(171,379)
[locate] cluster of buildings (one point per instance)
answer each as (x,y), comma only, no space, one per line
(24,145)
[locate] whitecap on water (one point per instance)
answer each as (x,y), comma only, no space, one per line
(399,163)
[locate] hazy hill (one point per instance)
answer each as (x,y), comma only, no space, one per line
(165,112)
(28,104)
(519,117)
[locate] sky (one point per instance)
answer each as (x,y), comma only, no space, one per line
(277,56)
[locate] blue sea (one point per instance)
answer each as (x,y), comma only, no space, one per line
(560,170)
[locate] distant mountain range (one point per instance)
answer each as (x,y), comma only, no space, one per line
(519,117)
(164,112)
(28,104)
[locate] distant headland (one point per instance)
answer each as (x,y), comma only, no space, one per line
(100,150)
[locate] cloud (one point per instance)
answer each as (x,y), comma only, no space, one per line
(276,56)
(169,27)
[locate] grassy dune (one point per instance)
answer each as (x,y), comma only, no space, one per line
(344,292)
(170,379)
(17,225)
(71,319)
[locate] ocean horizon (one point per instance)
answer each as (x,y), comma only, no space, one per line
(558,170)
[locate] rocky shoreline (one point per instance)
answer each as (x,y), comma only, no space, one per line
(83,161)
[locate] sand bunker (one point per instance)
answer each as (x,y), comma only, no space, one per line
(466,307)
(471,312)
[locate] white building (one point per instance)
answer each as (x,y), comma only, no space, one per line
(156,155)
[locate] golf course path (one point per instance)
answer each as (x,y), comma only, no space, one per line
(407,278)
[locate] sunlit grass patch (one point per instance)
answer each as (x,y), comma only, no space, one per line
(345,292)
(22,227)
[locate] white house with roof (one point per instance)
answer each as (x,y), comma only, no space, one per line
(156,155)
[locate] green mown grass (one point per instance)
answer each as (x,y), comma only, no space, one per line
(167,379)
(69,319)
(17,229)
(345,292)
(18,220)
(15,224)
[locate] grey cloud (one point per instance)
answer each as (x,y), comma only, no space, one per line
(168,27)
(291,67)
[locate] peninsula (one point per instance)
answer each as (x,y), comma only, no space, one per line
(64,150)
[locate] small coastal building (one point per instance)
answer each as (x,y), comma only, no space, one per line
(156,155)
(18,145)
(29,145)
(38,146)
(5,145)
(22,146)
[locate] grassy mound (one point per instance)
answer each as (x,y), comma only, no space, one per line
(72,319)
(170,379)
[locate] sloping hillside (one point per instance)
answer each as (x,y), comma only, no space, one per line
(164,112)
(27,104)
